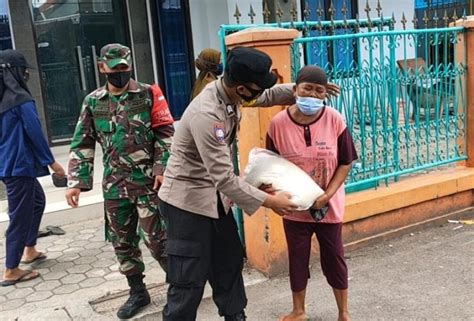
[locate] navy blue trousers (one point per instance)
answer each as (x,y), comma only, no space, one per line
(26,203)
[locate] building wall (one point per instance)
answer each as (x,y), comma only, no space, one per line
(397,8)
(25,41)
(206,18)
(390,7)
(142,52)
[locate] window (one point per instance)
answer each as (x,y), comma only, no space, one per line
(325,53)
(5,33)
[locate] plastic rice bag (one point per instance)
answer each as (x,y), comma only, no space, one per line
(266,167)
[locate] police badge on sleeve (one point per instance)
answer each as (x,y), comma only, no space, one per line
(219,132)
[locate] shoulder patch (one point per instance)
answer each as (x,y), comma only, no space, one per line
(219,132)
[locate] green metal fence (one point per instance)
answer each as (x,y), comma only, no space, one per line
(403,92)
(402,95)
(307,29)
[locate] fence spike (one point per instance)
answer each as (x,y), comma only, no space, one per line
(320,11)
(455,16)
(426,19)
(394,21)
(436,18)
(379,8)
(306,17)
(446,18)
(252,15)
(237,14)
(307,11)
(279,14)
(332,13)
(367,10)
(404,21)
(266,12)
(464,15)
(357,24)
(415,21)
(344,11)
(320,24)
(294,11)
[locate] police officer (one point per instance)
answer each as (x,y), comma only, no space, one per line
(200,186)
(131,122)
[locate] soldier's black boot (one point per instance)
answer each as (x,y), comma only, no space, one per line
(139,297)
(236,317)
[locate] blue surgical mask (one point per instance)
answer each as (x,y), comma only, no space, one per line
(309,105)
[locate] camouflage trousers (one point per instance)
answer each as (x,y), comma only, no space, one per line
(128,220)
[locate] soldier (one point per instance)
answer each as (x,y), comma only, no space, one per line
(132,123)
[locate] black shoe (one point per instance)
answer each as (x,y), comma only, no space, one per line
(135,302)
(236,317)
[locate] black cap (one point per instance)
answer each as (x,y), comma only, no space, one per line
(249,65)
(14,58)
(312,74)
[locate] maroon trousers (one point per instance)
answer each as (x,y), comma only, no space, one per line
(298,238)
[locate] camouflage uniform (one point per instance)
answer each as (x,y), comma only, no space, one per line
(133,154)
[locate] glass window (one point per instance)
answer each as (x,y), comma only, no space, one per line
(69,37)
(5,33)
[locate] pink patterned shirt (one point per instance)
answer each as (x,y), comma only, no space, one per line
(317,148)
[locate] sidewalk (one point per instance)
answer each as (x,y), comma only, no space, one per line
(80,280)
(423,276)
(428,275)
(80,267)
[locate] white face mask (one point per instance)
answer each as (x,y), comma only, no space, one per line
(309,105)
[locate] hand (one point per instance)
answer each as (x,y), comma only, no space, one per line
(72,197)
(158,182)
(267,188)
(280,203)
(58,169)
(333,89)
(321,201)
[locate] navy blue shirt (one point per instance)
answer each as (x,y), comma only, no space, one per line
(24,151)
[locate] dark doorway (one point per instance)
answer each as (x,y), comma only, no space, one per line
(174,40)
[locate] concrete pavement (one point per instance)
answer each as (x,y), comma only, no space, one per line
(426,275)
(80,279)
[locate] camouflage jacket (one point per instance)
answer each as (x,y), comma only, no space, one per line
(133,152)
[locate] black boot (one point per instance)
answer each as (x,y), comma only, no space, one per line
(139,297)
(236,317)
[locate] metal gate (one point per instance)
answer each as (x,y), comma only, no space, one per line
(402,95)
(403,92)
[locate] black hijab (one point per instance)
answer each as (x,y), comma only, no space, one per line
(13,89)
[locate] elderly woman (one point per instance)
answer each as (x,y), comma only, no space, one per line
(314,137)
(210,67)
(25,155)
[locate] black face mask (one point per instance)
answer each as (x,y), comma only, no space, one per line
(254,93)
(119,79)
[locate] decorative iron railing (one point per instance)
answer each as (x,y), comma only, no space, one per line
(402,95)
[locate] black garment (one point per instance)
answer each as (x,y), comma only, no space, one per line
(13,89)
(202,249)
(139,297)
